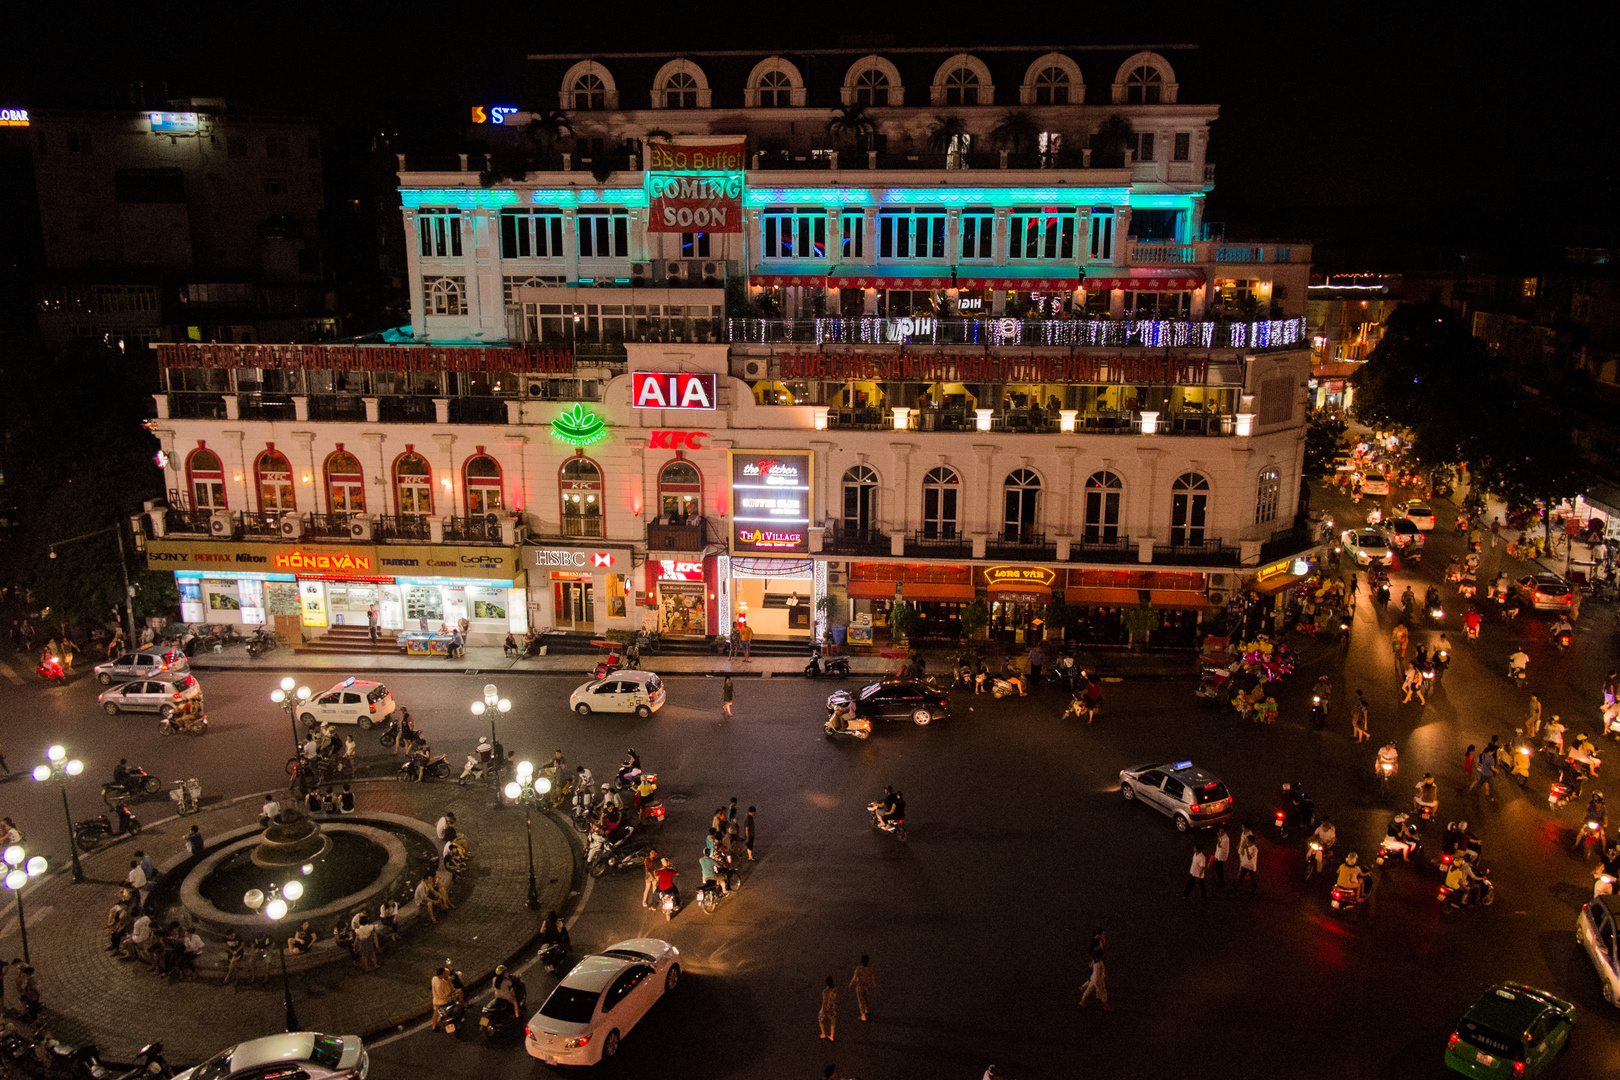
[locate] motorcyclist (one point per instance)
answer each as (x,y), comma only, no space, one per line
(1458,838)
(1518,663)
(1428,795)
(1569,777)
(510,989)
(1408,601)
(1582,755)
(842,714)
(1387,756)
(889,804)
(632,763)
(1402,833)
(1325,835)
(611,797)
(1297,806)
(1351,876)
(1562,627)
(1461,879)
(1440,656)
(1431,598)
(1597,813)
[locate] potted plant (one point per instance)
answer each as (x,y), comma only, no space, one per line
(975,619)
(827,608)
(903,621)
(1140,621)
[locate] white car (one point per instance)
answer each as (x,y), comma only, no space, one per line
(1365,545)
(1420,515)
(598,1002)
(297,1055)
(1595,929)
(640,692)
(1374,483)
(352,701)
(162,696)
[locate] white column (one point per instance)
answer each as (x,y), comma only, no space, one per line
(413,276)
(305,497)
(445,499)
(381,502)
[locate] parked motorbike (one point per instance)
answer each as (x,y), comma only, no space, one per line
(897,826)
(60,1059)
(837,667)
(50,669)
(475,769)
(603,855)
(583,808)
(422,764)
(187,796)
(87,834)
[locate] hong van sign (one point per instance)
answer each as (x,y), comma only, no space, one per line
(681,390)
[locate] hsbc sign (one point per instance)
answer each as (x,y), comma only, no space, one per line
(681,390)
(587,560)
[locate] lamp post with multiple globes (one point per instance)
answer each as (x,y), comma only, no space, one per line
(22,868)
(60,767)
(275,907)
(289,700)
(526,783)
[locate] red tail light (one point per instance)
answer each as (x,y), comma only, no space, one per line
(1279,817)
(1195,808)
(1518,1068)
(1452,1044)
(528,1033)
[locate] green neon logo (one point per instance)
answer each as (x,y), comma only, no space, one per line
(576,427)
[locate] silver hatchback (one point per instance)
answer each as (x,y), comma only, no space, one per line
(162,696)
(153,662)
(1188,795)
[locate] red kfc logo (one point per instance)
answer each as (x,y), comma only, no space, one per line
(676,440)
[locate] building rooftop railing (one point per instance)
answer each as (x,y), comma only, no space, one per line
(1077,333)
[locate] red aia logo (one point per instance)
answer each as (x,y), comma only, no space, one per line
(677,440)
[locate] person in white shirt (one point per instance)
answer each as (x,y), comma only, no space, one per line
(1195,873)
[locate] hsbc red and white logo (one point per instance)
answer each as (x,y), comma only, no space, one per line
(681,390)
(676,440)
(601,558)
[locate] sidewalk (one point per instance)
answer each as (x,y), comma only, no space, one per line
(91,996)
(491,658)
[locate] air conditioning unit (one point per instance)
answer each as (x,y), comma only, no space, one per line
(292,527)
(674,271)
(1217,597)
(639,273)
(514,531)
(360,527)
(711,271)
(1221,581)
(534,386)
(753,369)
(222,523)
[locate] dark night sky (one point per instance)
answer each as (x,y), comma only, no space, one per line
(1459,128)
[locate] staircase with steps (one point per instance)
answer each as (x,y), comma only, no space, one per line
(350,641)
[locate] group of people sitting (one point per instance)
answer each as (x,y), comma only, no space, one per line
(170,950)
(325,801)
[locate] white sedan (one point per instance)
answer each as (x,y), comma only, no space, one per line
(598,1002)
(1420,515)
(1365,546)
(640,692)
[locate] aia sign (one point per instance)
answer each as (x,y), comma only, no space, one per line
(681,390)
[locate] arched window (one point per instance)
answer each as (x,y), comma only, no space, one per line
(1052,86)
(940,487)
(580,481)
(775,90)
(590,92)
(444,296)
(1265,506)
(413,484)
(1020,493)
(871,88)
(860,499)
(1144,85)
(962,87)
(273,475)
(206,477)
(481,477)
(1103,492)
(680,91)
(345,484)
(1189,509)
(680,492)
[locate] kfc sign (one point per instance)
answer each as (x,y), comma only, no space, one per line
(656,390)
(673,570)
(676,440)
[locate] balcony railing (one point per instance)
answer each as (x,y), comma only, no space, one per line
(1287,542)
(1207,552)
(1106,551)
(939,544)
(330,526)
(482,529)
(581,525)
(411,527)
(197,406)
(258,406)
(1081,333)
(407,410)
(477,410)
(336,407)
(1020,544)
(840,539)
(676,536)
(182,520)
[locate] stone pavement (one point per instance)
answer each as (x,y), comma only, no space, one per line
(90,995)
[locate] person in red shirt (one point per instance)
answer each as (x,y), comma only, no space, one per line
(1471,623)
(666,880)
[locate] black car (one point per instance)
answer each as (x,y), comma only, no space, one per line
(896,699)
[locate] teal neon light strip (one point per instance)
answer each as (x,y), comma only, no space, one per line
(470,198)
(1161,202)
(801,196)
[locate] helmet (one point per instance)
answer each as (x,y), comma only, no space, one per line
(1598,795)
(1352,859)
(1401,817)
(607,787)
(1460,826)
(500,969)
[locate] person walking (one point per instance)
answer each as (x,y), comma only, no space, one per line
(1485,771)
(1468,768)
(1397,640)
(1248,859)
(726,694)
(1097,985)
(1496,531)
(1036,659)
(748,834)
(1223,851)
(1195,873)
(371,622)
(827,1017)
(1355,588)
(1414,685)
(1358,719)
(649,867)
(865,983)
(1532,721)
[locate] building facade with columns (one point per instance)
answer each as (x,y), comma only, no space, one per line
(733,347)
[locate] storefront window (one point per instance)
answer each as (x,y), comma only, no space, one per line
(414,482)
(615,595)
(581,482)
(275,482)
(940,487)
(860,499)
(1188,509)
(345,484)
(680,492)
(207,479)
(1020,492)
(1103,492)
(482,481)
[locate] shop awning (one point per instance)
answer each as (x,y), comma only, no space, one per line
(955,592)
(814,274)
(1017,278)
(1144,280)
(1086,596)
(889,277)
(1177,598)
(1279,583)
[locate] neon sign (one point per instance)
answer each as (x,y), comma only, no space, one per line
(578,427)
(173,121)
(684,390)
(676,440)
(13,117)
(342,560)
(770,494)
(493,114)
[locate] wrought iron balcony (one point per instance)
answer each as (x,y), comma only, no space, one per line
(1206,552)
(1020,544)
(689,534)
(1121,550)
(939,543)
(841,539)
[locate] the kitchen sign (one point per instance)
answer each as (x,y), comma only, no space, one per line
(679,390)
(770,503)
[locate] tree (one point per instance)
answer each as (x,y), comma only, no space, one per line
(1527,455)
(975,617)
(1140,622)
(1015,131)
(1110,142)
(850,125)
(536,148)
(1324,441)
(903,620)
(944,132)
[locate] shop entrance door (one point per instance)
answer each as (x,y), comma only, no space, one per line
(575,606)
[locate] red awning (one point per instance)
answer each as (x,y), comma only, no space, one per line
(1147,283)
(1086,596)
(817,280)
(1177,598)
(1053,284)
(850,281)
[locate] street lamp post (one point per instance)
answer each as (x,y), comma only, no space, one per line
(275,909)
(22,868)
(289,701)
(494,705)
(59,769)
(527,781)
